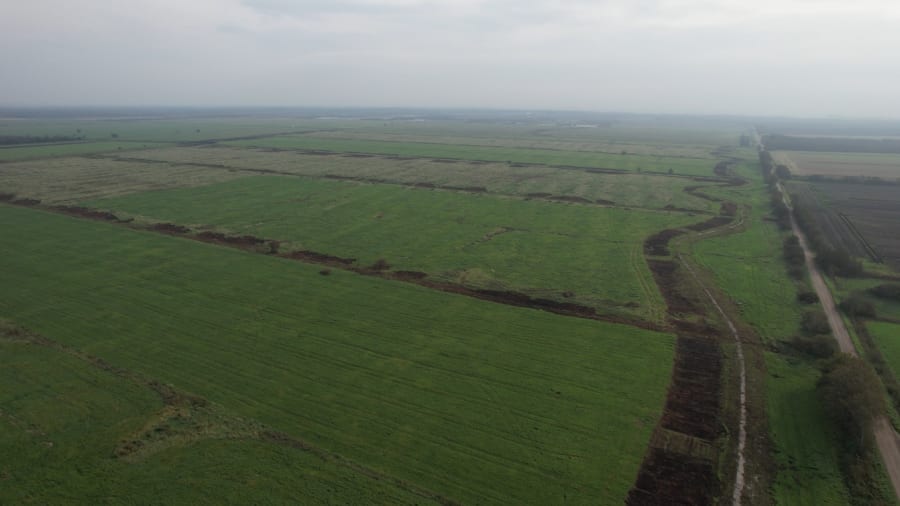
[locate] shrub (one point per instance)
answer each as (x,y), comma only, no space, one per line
(807,297)
(886,291)
(815,322)
(857,306)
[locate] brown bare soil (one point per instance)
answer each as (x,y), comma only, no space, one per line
(692,406)
(728,209)
(318,258)
(571,198)
(408,275)
(170,228)
(658,243)
(471,189)
(714,222)
(86,213)
(671,475)
(863,219)
(664,273)
(669,478)
(240,241)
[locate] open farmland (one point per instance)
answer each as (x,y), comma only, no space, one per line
(71,180)
(102,407)
(864,219)
(387,375)
(591,159)
(884,166)
(578,253)
(369,318)
(534,181)
(16,153)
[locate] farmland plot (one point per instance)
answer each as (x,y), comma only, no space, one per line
(574,253)
(687,166)
(62,412)
(633,190)
(473,401)
(864,219)
(839,165)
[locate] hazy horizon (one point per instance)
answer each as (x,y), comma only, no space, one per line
(806,58)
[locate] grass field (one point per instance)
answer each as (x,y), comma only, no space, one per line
(808,163)
(748,266)
(630,189)
(529,140)
(476,401)
(62,419)
(157,130)
(540,248)
(70,180)
(11,154)
(884,308)
(688,166)
(887,338)
(806,445)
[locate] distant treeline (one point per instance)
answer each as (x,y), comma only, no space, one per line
(14,140)
(835,144)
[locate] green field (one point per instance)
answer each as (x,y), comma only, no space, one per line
(688,166)
(748,265)
(62,419)
(887,338)
(11,154)
(71,180)
(536,247)
(806,445)
(475,401)
(629,189)
(556,139)
(884,308)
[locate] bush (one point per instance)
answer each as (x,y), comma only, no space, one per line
(886,291)
(852,395)
(815,322)
(793,255)
(857,306)
(807,297)
(817,346)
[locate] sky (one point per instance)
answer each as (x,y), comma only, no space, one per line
(809,58)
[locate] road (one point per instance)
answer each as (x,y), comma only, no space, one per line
(886,438)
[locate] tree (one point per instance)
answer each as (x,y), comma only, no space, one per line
(852,395)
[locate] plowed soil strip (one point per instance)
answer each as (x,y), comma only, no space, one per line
(742,424)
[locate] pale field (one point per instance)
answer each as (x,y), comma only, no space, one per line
(808,163)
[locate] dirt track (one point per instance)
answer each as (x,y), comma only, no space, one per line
(886,439)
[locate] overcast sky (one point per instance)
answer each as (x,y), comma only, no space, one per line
(760,57)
